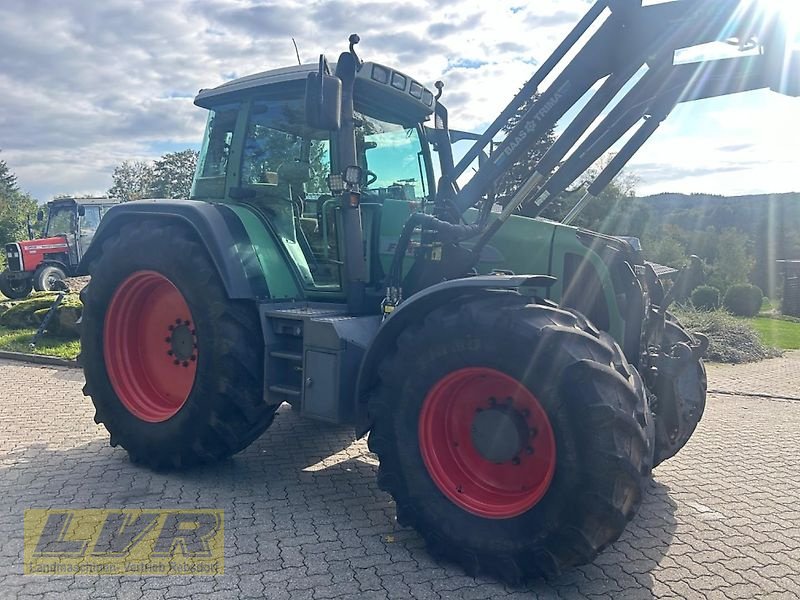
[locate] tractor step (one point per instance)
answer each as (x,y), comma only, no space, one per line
(293,356)
(285,390)
(312,357)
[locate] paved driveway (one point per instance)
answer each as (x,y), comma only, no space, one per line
(304,518)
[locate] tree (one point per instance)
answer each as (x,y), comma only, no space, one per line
(508,183)
(172,175)
(16,208)
(616,211)
(169,176)
(132,181)
(734,261)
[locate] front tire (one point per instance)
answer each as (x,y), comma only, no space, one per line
(515,438)
(15,289)
(681,400)
(174,367)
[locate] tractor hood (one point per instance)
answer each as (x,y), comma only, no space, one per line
(44,245)
(33,252)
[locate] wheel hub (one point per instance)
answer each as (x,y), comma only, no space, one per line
(499,434)
(181,341)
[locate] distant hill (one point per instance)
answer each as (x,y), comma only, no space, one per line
(770,222)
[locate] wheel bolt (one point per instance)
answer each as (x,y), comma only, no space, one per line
(176,362)
(186,363)
(171,327)
(194,332)
(177,321)
(493,401)
(529,450)
(526,413)
(169,352)
(187,323)
(193,357)
(534,432)
(515,460)
(168,340)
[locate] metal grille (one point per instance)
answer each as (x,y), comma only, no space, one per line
(13,257)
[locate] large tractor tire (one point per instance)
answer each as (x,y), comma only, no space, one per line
(680,400)
(174,368)
(15,289)
(515,438)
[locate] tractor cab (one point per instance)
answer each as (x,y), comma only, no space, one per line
(259,152)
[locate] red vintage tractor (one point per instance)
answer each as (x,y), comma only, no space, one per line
(39,264)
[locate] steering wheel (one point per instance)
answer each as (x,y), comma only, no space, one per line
(372,177)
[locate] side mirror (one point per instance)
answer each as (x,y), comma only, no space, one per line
(323,100)
(81,210)
(39,216)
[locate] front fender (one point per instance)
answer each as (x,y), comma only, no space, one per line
(216,226)
(415,308)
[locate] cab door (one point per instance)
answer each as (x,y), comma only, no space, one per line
(88,222)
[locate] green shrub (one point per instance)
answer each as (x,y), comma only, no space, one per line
(731,340)
(743,300)
(705,297)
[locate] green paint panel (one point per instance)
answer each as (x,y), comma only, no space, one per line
(280,279)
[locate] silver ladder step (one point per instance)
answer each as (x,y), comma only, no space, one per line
(294,356)
(285,390)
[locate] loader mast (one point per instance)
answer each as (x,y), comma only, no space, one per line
(628,39)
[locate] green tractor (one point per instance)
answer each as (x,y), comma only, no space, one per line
(518,378)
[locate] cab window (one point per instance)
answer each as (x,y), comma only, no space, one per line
(286,165)
(90,220)
(212,164)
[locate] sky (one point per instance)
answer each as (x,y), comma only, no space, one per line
(86,85)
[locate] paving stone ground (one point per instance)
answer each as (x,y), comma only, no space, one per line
(304,518)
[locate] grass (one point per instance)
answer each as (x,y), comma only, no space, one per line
(778,333)
(18,340)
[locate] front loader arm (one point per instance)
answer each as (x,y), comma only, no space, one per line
(631,37)
(653,98)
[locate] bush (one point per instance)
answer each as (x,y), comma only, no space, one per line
(705,297)
(731,340)
(744,300)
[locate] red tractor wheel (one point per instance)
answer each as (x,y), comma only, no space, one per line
(150,346)
(173,366)
(521,442)
(487,443)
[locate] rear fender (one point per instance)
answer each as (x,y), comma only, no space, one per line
(216,226)
(415,308)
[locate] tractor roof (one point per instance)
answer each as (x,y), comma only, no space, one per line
(380,90)
(298,73)
(87,200)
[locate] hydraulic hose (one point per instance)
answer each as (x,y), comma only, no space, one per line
(448,233)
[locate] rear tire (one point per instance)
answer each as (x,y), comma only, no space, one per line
(210,405)
(595,407)
(46,277)
(15,289)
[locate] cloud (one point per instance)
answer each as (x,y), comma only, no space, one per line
(86,85)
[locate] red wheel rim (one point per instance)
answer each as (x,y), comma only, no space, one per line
(464,409)
(150,346)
